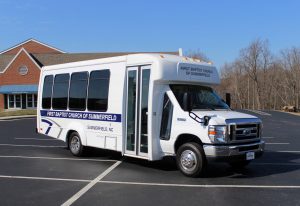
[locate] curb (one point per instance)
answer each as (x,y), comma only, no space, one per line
(17,117)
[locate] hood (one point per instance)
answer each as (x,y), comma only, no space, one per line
(220,116)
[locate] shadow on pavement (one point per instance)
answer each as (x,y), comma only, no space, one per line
(268,165)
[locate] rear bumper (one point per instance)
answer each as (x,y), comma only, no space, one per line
(232,153)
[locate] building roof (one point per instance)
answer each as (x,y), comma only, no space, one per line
(46,58)
(34,41)
(5,60)
(52,59)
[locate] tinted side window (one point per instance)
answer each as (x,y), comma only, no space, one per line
(77,94)
(166,120)
(98,90)
(47,92)
(60,91)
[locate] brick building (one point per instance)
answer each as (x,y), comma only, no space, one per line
(20,67)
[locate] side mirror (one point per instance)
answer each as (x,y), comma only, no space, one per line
(206,120)
(187,102)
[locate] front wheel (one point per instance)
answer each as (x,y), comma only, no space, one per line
(191,159)
(75,144)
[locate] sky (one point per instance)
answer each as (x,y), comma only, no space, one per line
(217,28)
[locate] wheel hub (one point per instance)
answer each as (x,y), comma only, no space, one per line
(188,160)
(75,144)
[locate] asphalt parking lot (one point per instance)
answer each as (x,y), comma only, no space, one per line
(38,170)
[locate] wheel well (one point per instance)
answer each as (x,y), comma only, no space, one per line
(185,138)
(68,136)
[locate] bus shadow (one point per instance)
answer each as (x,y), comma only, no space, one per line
(269,164)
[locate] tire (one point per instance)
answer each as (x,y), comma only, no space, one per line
(190,159)
(240,164)
(75,145)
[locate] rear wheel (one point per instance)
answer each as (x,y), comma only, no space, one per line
(75,144)
(190,159)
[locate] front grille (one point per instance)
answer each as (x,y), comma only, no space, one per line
(242,132)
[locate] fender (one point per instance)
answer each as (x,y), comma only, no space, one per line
(78,127)
(184,138)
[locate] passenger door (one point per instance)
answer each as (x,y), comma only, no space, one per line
(137,111)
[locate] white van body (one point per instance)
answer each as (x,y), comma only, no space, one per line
(153,73)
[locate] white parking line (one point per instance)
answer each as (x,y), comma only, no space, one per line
(37,139)
(58,158)
(90,185)
(277,143)
(43,178)
(204,186)
(23,145)
(153,184)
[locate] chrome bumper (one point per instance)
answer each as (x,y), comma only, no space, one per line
(233,151)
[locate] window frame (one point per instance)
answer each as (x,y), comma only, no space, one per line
(52,97)
(51,75)
(88,90)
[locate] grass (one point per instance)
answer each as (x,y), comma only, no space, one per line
(18,112)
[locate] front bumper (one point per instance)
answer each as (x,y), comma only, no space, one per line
(230,153)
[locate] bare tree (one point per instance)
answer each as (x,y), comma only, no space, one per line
(290,59)
(259,80)
(256,58)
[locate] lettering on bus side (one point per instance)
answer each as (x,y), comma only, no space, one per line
(82,115)
(100,128)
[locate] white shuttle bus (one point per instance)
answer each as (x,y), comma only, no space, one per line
(146,106)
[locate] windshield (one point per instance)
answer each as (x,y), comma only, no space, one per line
(203,97)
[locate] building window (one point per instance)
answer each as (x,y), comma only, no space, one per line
(11,103)
(98,90)
(31,101)
(14,101)
(60,91)
(23,70)
(78,87)
(35,100)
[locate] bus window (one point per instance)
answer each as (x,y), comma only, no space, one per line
(166,119)
(60,91)
(47,92)
(98,90)
(78,88)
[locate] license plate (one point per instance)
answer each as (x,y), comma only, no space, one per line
(250,156)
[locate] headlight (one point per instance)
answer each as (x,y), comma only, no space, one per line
(217,134)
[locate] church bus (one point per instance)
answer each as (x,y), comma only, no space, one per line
(146,106)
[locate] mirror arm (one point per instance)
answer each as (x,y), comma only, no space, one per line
(204,120)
